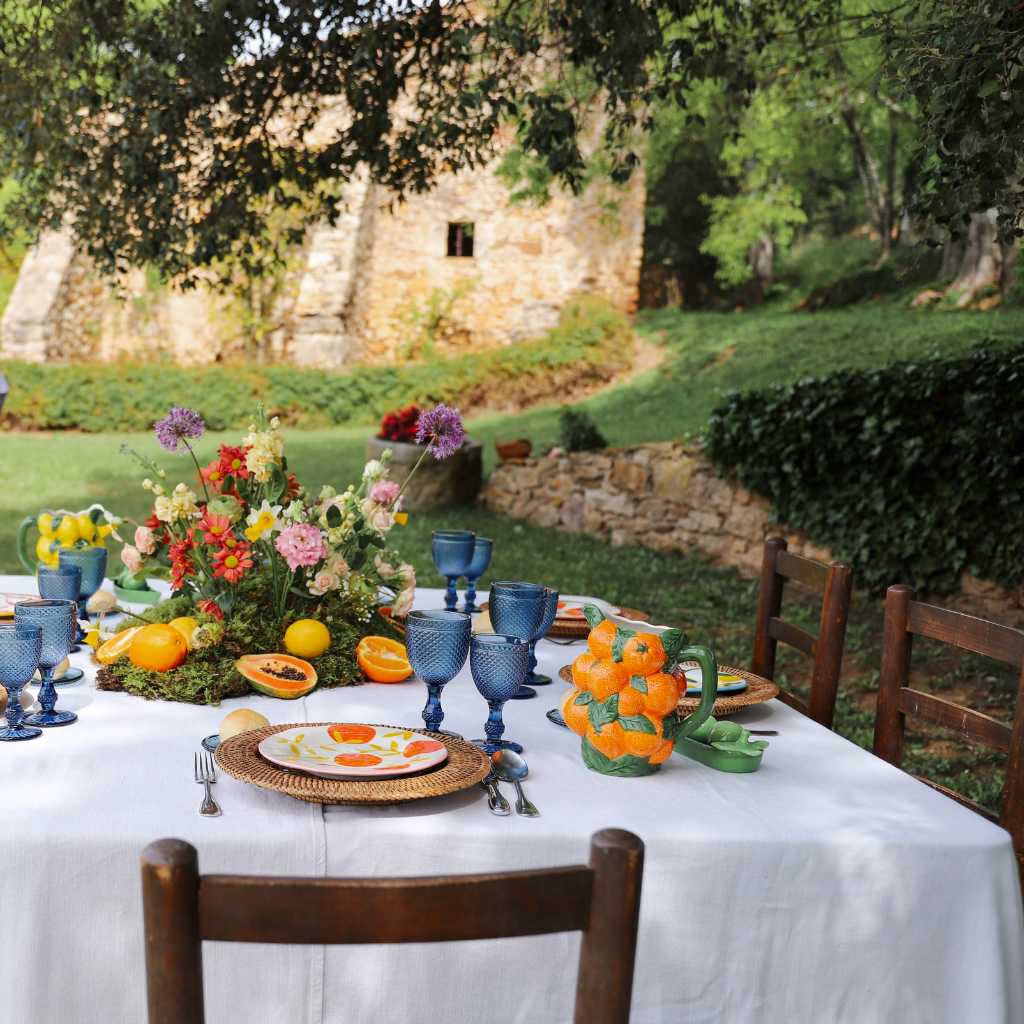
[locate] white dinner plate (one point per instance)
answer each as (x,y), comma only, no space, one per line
(352,750)
(727,683)
(570,607)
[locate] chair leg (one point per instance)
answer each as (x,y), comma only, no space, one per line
(604,986)
(170,902)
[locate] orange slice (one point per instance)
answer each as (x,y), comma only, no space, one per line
(383,660)
(117,646)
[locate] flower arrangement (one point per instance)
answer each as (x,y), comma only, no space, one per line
(248,550)
(400,425)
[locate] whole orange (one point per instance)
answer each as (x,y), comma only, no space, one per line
(158,648)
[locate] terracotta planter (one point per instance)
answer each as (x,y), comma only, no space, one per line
(509,450)
(452,481)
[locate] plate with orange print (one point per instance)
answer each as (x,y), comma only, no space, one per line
(570,608)
(351,750)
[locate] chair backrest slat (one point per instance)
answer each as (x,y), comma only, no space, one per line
(317,911)
(905,618)
(601,900)
(835,583)
(804,570)
(796,637)
(972,725)
(967,632)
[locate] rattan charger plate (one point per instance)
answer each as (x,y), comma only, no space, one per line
(757,692)
(466,766)
(570,629)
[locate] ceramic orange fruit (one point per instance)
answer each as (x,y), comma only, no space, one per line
(643,654)
(575,715)
(662,693)
(663,753)
(605,678)
(581,668)
(641,734)
(608,740)
(383,660)
(601,639)
(631,701)
(157,648)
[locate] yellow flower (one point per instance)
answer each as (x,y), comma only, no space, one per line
(264,522)
(401,518)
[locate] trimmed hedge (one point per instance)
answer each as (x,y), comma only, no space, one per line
(591,344)
(913,473)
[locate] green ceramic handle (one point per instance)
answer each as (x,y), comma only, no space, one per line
(22,544)
(704,657)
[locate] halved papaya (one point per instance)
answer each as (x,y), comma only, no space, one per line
(277,675)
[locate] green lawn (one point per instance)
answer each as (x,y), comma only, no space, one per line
(705,355)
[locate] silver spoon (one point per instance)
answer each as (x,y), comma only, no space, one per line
(512,768)
(496,803)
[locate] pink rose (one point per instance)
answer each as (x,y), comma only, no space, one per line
(145,540)
(402,604)
(131,558)
(384,492)
(301,544)
(323,582)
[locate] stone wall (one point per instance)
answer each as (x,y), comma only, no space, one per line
(668,497)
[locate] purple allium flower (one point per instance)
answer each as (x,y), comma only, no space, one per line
(178,425)
(301,544)
(441,430)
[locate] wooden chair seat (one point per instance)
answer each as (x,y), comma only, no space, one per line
(601,900)
(835,583)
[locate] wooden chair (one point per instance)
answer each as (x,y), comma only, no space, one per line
(602,900)
(835,582)
(905,618)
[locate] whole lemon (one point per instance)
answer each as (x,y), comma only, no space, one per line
(186,626)
(158,648)
(86,527)
(44,523)
(307,638)
(43,551)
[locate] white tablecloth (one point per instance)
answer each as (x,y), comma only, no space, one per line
(827,887)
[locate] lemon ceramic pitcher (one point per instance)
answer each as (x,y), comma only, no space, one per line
(62,529)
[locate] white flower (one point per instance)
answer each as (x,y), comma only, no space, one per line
(323,582)
(295,511)
(386,569)
(380,517)
(373,471)
(266,449)
(164,510)
(336,564)
(402,604)
(263,520)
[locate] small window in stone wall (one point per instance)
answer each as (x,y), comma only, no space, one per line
(460,238)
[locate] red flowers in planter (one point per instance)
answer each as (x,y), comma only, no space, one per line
(400,425)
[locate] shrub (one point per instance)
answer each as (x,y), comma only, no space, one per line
(577,432)
(591,343)
(911,472)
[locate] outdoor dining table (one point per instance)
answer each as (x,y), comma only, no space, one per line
(828,886)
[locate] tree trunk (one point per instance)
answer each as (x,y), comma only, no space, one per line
(983,263)
(761,257)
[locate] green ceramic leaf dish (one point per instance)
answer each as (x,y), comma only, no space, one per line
(724,746)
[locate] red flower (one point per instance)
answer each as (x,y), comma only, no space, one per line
(232,461)
(293,488)
(215,528)
(400,425)
(232,561)
(213,475)
(210,607)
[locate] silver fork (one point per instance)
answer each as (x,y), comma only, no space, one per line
(206,773)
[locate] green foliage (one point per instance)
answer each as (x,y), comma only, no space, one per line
(906,472)
(577,432)
(592,341)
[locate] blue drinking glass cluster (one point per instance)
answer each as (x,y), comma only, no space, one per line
(460,553)
(525,611)
(20,647)
(92,564)
(437,643)
(63,583)
(498,664)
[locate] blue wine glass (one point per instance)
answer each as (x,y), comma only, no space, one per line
(479,564)
(20,647)
(517,609)
(498,664)
(533,677)
(56,619)
(92,562)
(437,643)
(452,551)
(65,584)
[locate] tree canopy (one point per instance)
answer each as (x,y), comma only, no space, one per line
(167,131)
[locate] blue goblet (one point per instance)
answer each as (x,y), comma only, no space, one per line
(533,677)
(92,562)
(498,664)
(437,643)
(482,548)
(65,584)
(517,609)
(56,619)
(453,552)
(20,647)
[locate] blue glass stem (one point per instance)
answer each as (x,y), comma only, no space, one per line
(533,677)
(47,701)
(470,605)
(433,714)
(15,714)
(495,725)
(451,595)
